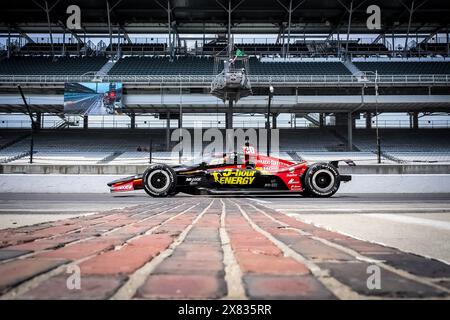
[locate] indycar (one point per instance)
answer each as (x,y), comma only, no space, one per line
(247,172)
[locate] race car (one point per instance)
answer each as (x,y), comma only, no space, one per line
(247,172)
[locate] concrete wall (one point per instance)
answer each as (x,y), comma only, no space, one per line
(361,183)
(397,183)
(55,183)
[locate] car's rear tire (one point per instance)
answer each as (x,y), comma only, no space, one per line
(305,193)
(159,180)
(322,180)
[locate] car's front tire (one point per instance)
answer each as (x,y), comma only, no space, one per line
(321,180)
(159,180)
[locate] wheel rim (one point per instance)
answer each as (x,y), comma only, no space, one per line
(323,180)
(158,180)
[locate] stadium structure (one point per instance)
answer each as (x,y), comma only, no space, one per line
(337,85)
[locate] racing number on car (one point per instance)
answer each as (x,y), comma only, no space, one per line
(249,150)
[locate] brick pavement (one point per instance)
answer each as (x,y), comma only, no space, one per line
(205,248)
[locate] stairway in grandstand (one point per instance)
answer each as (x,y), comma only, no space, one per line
(351,67)
(105,68)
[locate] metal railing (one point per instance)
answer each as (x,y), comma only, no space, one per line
(106,123)
(207,79)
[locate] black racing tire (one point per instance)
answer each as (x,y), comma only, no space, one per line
(159,180)
(322,180)
(305,194)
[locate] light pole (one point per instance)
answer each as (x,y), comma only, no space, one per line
(268,120)
(33,124)
(376,120)
(377,133)
(180,122)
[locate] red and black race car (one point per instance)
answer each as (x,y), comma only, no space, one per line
(237,173)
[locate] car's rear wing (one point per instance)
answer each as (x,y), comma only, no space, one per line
(349,162)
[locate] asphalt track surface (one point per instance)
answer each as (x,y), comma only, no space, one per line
(286,247)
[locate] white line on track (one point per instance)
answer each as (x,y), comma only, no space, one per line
(413,220)
(258,200)
(51,210)
(368,210)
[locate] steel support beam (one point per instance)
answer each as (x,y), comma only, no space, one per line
(448,43)
(230,44)
(86,122)
(368,120)
(47,11)
(38,123)
(274,120)
(289,28)
(349,26)
(321,120)
(169,25)
(108,11)
(229,115)
(431,35)
(168,131)
(8,45)
(133,120)
(378,38)
(22,33)
(350,131)
(411,11)
(289,10)
(229,10)
(415,120)
(73,33)
(125,34)
(350,11)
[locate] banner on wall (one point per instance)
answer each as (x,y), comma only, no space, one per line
(93,98)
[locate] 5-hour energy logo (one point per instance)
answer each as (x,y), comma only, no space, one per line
(229,176)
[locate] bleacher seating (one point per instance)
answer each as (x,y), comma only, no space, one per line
(357,157)
(297,68)
(93,146)
(46,48)
(405,68)
(7,136)
(139,48)
(205,66)
(433,48)
(308,140)
(47,66)
(365,48)
(403,140)
(257,48)
(192,65)
(162,66)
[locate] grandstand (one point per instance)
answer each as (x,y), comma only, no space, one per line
(312,57)
(406,68)
(123,146)
(49,66)
(205,66)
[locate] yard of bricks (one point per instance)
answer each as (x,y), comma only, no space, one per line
(205,248)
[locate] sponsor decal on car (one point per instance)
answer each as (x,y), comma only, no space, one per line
(124,187)
(228,176)
(194,180)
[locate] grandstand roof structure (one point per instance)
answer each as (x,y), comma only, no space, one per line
(247,16)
